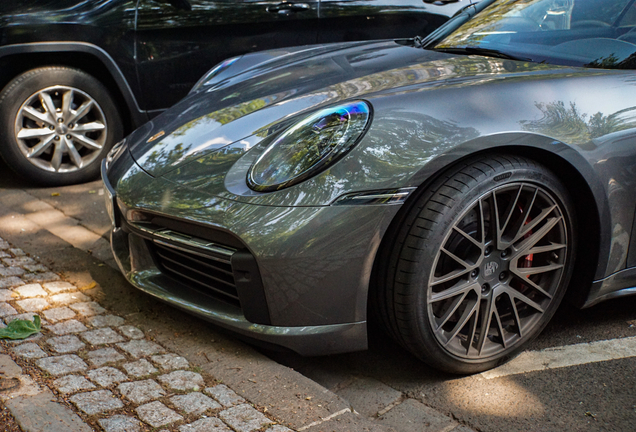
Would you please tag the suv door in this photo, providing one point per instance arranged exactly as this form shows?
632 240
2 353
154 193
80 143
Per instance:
353 20
179 40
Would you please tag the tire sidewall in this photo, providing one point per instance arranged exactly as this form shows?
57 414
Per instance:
16 93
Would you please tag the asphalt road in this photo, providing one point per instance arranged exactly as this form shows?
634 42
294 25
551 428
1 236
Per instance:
599 396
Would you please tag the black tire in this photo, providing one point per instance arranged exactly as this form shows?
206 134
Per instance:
44 147
465 299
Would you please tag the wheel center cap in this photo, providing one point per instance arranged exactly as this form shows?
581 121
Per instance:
61 129
490 270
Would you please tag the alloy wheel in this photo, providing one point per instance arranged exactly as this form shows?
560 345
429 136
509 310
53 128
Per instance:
60 129
497 271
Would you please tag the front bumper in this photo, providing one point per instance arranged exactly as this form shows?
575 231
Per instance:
314 264
132 256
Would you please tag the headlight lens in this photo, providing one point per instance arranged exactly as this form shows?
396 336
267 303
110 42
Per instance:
310 146
205 79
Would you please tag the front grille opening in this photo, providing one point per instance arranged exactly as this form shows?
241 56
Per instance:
209 275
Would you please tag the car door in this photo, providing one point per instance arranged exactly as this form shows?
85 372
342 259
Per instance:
177 41
352 20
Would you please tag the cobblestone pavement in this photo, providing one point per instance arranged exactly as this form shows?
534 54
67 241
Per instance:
113 376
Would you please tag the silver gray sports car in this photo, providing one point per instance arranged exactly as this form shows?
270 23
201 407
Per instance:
455 187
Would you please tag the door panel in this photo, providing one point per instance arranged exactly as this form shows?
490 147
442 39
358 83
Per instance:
175 46
351 20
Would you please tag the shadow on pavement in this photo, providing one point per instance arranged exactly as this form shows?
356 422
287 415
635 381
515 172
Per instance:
84 201
10 180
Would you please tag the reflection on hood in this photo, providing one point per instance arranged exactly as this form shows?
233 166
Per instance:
251 103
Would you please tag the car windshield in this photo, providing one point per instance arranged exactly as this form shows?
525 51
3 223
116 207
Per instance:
590 33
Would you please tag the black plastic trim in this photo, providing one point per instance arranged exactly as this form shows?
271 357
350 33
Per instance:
250 289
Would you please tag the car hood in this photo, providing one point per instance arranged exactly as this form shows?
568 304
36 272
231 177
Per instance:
255 99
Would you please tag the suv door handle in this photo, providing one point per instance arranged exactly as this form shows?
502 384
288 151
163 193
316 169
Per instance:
288 7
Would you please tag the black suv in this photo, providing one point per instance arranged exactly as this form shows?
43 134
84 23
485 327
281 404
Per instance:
78 75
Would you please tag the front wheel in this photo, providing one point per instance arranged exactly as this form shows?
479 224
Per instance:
480 263
57 125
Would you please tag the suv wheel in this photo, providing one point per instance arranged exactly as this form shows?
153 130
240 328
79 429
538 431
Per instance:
57 125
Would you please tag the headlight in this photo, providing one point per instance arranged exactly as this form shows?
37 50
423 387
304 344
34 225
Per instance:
310 146
212 73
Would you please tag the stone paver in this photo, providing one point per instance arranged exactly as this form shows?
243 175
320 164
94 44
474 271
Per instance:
31 290
35 268
61 365
66 344
42 413
87 308
24 316
33 305
170 362
66 327
131 332
157 414
105 321
244 418
225 395
58 287
96 402
210 424
106 376
11 271
119 423
141 348
6 295
183 380
103 356
141 391
72 384
40 277
16 262
140 368
194 403
29 350
102 336
68 298
58 314
10 282
6 309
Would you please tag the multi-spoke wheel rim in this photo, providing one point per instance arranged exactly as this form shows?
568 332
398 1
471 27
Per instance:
60 129
497 271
